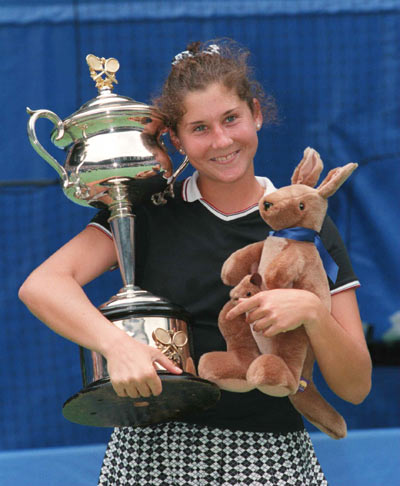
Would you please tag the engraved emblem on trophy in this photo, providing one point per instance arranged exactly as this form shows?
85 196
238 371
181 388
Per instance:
116 158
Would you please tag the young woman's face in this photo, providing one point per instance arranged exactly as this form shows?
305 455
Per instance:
219 134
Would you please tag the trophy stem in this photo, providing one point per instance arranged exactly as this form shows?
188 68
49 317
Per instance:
122 222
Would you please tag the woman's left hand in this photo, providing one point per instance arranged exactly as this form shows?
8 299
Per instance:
278 310
337 339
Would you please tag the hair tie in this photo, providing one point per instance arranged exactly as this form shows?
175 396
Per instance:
181 56
211 49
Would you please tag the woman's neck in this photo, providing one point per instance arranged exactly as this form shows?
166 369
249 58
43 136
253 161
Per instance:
231 197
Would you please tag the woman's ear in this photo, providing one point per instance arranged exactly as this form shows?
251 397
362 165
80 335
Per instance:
175 140
257 113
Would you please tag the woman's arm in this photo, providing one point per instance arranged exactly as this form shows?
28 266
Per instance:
337 338
340 348
53 293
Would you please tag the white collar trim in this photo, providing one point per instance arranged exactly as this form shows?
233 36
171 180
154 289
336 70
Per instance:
191 193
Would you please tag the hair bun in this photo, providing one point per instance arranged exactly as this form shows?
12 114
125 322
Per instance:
194 47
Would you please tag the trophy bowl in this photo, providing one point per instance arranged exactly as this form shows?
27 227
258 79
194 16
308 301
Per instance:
116 158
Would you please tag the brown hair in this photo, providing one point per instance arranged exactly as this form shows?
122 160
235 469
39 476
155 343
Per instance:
199 67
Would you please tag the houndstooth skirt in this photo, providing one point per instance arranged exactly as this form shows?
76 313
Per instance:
179 454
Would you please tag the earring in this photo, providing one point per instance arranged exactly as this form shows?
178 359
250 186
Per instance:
258 126
181 151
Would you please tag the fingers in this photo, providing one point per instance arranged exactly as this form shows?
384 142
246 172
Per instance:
168 364
267 329
271 326
145 387
271 331
144 381
261 324
132 367
245 305
270 312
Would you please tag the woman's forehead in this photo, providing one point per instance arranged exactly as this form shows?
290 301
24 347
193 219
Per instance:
214 100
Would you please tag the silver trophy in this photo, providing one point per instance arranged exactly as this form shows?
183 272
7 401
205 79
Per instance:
116 158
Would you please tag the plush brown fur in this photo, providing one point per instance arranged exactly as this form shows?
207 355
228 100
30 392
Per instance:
228 368
284 263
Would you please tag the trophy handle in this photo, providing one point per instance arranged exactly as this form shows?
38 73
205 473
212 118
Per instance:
159 198
58 123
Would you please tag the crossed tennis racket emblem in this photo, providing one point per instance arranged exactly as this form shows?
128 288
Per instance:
170 343
101 66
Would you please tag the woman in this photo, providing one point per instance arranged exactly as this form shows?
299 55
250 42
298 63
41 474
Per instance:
213 111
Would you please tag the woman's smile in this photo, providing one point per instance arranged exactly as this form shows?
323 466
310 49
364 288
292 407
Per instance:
223 159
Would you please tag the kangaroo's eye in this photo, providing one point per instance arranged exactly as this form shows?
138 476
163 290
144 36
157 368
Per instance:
267 205
301 206
248 294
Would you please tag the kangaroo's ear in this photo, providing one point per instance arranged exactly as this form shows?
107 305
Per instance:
335 179
309 168
256 279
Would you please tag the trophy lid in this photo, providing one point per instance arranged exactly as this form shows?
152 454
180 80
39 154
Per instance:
107 112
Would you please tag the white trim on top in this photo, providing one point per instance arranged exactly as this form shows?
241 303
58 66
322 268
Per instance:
347 286
191 193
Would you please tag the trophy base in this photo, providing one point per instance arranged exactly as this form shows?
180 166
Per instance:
98 405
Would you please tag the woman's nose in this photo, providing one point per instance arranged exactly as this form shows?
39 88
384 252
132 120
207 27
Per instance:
221 137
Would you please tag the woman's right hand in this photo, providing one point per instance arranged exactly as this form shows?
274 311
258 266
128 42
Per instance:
131 364
132 367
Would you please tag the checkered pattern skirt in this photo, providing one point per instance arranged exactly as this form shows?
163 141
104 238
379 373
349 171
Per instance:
178 454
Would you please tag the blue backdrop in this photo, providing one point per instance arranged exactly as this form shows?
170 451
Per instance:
334 70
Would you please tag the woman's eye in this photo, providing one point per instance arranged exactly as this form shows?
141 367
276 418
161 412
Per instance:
230 118
199 128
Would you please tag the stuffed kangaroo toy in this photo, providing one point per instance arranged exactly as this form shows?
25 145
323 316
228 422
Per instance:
228 368
285 362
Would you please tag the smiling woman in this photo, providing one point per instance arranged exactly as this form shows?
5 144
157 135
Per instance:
214 112
214 109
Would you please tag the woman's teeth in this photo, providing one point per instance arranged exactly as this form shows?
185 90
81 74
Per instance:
224 158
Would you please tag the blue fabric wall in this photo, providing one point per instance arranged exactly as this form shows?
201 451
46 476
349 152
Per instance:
334 70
